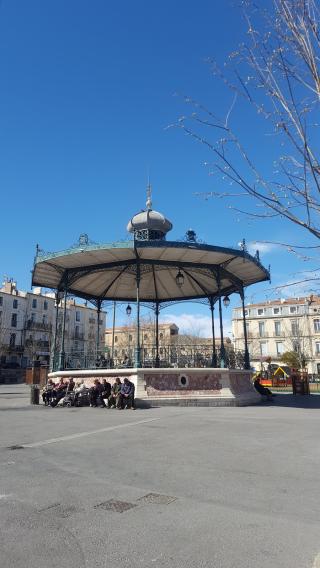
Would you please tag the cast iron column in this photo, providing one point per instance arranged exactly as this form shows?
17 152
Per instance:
214 353
246 350
157 335
62 354
113 326
99 303
138 349
54 354
222 349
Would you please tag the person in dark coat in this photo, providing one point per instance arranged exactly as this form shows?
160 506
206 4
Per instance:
114 398
126 394
105 393
261 389
96 394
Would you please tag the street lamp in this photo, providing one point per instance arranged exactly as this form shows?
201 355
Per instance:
128 310
226 301
179 279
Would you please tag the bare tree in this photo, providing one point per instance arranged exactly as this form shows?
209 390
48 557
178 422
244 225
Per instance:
276 73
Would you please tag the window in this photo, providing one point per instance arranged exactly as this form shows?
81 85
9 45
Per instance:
1 300
296 346
277 328
14 320
130 337
0 317
317 347
260 311
145 337
33 317
77 316
44 318
12 340
279 346
294 327
246 313
116 339
316 325
261 329
45 305
34 303
294 309
276 311
173 332
15 304
263 348
77 331
161 335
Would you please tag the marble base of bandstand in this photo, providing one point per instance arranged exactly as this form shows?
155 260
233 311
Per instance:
177 386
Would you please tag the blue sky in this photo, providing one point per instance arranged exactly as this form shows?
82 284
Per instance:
87 92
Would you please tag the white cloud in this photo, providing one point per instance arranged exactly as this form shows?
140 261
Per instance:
262 247
197 324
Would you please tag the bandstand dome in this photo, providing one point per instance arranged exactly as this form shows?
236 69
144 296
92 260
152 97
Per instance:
151 220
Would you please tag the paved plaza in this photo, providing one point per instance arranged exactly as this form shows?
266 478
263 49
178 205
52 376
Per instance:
163 487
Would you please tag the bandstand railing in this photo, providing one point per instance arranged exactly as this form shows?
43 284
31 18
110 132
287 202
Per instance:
180 356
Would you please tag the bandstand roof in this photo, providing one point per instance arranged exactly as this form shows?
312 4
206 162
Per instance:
108 272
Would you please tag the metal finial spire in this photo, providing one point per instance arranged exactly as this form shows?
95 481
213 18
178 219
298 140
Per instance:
149 196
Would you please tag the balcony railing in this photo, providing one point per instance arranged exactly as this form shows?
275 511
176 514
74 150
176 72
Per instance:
36 325
12 348
77 336
37 343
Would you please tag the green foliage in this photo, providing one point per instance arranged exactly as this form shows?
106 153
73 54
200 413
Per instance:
292 359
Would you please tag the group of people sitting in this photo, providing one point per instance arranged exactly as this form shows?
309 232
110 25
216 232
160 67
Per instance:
120 395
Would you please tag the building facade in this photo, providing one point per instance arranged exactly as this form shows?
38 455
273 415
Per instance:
187 350
277 326
28 323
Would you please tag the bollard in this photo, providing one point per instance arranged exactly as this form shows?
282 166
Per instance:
34 395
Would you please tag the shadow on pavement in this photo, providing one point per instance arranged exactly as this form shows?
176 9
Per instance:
297 401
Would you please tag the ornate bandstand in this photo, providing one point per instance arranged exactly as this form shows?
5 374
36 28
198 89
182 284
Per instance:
149 270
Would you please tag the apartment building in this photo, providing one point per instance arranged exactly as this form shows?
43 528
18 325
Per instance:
27 326
276 326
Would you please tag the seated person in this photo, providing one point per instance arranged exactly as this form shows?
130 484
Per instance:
261 389
47 392
114 398
79 390
59 392
96 394
106 391
126 394
71 385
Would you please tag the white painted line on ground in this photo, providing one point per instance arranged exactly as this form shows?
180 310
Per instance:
89 433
